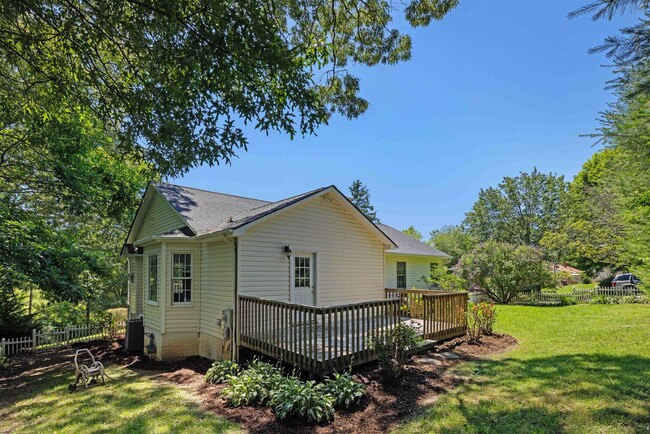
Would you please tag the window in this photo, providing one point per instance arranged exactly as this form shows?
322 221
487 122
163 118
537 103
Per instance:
401 275
152 282
301 273
182 277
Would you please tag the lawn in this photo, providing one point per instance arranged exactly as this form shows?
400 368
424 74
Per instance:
577 369
129 403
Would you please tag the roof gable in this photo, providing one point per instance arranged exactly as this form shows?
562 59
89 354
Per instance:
407 245
198 212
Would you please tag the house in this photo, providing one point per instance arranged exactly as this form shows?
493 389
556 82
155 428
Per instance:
193 255
569 274
410 263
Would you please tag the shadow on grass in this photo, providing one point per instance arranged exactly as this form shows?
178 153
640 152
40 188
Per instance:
129 403
566 393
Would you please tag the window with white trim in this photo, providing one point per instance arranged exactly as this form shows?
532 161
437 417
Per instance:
152 280
302 272
181 278
401 275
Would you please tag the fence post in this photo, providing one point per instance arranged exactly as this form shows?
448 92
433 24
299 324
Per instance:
3 351
67 334
33 339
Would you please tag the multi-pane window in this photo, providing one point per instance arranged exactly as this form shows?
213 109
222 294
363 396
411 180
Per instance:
302 272
152 281
401 275
182 277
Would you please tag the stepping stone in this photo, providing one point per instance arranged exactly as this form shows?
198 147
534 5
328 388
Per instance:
428 361
448 356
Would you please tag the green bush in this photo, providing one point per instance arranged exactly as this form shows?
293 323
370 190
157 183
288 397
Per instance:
393 348
304 399
480 319
4 366
568 300
219 372
343 389
628 299
255 384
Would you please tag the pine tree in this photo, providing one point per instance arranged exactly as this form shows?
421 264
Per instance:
360 196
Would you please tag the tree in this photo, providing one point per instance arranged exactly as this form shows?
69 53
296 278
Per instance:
360 196
501 270
453 240
412 232
178 81
520 210
625 128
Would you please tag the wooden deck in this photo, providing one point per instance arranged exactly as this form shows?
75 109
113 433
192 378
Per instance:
324 339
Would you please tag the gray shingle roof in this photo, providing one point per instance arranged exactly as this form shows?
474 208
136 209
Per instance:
407 245
207 212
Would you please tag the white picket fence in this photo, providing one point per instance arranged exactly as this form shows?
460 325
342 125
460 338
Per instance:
580 295
58 337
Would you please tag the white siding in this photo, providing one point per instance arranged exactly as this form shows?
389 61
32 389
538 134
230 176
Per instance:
416 267
182 318
160 218
152 310
135 286
349 258
217 285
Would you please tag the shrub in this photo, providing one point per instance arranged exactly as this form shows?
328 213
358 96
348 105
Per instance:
221 371
343 389
393 348
256 384
4 366
304 399
628 299
568 300
480 319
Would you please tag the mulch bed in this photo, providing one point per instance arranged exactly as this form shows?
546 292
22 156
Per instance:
384 406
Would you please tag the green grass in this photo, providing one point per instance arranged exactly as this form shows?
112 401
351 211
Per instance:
130 403
577 369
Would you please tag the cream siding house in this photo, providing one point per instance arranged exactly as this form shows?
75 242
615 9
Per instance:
410 263
192 252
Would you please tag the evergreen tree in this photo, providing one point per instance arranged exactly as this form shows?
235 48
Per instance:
360 196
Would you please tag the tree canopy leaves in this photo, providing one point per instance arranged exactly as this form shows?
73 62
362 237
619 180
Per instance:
520 210
360 196
177 81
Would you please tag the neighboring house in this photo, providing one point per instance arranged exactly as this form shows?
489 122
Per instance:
410 263
569 273
191 253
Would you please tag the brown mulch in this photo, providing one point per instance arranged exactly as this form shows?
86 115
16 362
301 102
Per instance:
384 406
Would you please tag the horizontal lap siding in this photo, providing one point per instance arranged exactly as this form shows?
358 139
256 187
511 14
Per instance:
152 311
217 285
416 267
183 318
349 257
160 218
135 286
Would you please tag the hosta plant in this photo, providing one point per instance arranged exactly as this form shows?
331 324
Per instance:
343 389
219 372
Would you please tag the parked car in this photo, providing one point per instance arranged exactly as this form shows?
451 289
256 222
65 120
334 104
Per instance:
625 281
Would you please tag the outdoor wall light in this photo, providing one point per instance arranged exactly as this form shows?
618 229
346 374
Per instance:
287 251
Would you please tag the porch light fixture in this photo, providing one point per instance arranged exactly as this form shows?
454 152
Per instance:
287 251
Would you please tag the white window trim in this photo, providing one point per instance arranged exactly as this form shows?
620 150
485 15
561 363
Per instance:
147 292
171 278
313 276
397 275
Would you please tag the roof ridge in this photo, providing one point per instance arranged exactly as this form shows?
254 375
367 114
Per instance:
307 193
215 192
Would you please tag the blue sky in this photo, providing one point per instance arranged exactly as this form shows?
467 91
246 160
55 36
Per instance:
494 89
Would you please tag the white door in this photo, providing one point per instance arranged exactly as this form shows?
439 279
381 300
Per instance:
303 279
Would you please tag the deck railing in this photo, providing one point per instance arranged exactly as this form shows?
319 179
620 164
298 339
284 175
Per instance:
316 339
442 314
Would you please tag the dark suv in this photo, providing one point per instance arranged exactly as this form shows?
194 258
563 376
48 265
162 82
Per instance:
625 281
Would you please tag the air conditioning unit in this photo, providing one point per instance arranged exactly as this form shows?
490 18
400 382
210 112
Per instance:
134 337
